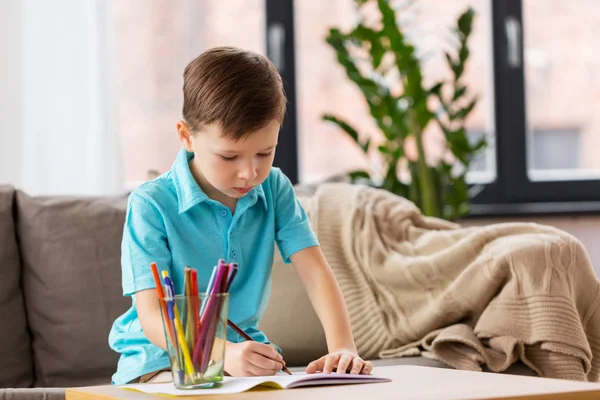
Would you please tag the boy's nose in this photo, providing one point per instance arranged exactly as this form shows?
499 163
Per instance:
247 174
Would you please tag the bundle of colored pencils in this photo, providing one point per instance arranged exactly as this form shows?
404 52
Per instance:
219 283
200 324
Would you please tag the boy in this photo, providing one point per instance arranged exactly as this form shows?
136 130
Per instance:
223 199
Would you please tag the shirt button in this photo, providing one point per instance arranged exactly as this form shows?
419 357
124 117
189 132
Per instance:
234 254
223 213
231 233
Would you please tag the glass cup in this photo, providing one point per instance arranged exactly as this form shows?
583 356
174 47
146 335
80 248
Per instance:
195 328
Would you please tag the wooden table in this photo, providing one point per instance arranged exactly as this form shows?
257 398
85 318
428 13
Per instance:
408 382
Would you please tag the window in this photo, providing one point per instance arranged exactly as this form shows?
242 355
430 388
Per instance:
323 87
555 150
481 162
536 68
547 84
562 85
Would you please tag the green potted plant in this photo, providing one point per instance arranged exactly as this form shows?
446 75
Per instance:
439 190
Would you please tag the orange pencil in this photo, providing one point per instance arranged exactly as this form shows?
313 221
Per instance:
161 296
190 325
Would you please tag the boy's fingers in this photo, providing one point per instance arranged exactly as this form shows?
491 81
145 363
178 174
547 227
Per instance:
267 351
258 371
357 365
315 366
367 368
265 363
330 361
343 363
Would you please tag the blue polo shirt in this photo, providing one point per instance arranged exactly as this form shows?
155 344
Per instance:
172 222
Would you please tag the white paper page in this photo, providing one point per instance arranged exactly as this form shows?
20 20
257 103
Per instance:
229 386
237 385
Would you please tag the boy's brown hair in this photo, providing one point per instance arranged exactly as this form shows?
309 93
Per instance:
239 89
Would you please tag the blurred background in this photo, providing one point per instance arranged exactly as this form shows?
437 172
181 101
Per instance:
91 92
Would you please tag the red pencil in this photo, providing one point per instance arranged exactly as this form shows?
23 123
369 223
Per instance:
196 307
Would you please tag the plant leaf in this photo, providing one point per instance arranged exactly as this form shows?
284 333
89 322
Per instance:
374 93
479 145
465 22
374 39
436 89
465 111
406 60
349 130
460 91
359 175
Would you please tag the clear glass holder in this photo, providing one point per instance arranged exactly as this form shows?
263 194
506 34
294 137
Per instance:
196 329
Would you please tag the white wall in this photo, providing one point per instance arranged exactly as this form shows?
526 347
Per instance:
59 130
11 81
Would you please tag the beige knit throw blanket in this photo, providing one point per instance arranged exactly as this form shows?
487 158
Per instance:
467 296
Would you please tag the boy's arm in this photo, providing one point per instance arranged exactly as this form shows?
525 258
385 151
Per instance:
145 241
298 244
150 317
328 302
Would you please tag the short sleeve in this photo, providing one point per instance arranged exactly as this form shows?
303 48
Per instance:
292 226
144 242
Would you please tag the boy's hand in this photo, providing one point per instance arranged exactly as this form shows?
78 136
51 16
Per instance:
343 361
252 359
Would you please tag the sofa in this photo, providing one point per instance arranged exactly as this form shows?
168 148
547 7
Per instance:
60 291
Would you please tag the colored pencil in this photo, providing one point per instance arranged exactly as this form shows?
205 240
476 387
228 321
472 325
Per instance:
196 308
189 312
187 360
231 324
243 334
208 289
233 269
209 314
161 296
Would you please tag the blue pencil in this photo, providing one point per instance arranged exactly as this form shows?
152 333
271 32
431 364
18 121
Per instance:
208 289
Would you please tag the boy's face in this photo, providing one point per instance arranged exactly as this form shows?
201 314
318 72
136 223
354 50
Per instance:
226 167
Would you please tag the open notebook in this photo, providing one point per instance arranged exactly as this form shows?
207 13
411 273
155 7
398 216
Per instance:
238 385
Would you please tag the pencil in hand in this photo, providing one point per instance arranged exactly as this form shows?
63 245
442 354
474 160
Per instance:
233 269
248 337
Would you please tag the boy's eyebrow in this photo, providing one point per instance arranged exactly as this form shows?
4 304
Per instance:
269 148
237 152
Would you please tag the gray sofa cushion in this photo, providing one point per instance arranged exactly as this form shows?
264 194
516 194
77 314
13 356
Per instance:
72 285
16 360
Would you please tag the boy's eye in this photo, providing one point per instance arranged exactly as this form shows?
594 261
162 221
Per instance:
230 158
264 154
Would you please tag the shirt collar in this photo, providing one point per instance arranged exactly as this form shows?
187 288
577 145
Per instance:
189 192
260 193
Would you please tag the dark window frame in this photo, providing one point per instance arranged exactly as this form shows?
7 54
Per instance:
512 193
279 16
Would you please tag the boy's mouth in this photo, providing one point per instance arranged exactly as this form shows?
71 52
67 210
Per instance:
243 190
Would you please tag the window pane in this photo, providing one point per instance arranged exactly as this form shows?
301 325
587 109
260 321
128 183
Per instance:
323 87
562 78
155 40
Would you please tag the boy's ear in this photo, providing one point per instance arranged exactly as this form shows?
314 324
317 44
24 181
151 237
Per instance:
185 135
